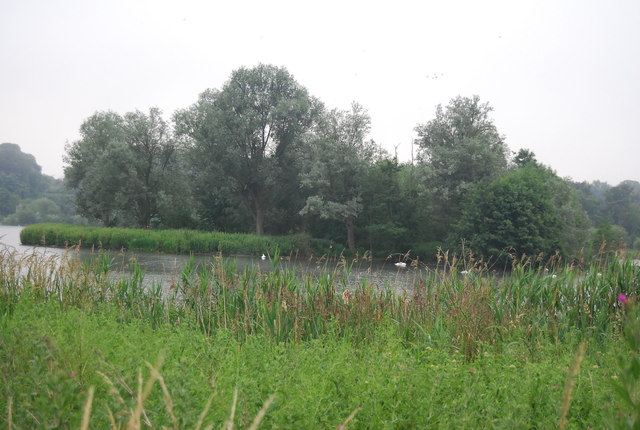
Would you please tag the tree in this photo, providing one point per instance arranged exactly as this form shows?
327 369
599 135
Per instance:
387 208
119 167
520 211
154 153
612 207
28 196
574 219
635 189
97 167
592 199
64 198
31 211
246 131
460 147
20 177
336 160
523 157
608 238
566 202
623 208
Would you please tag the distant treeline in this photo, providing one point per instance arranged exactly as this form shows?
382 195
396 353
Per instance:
262 155
27 196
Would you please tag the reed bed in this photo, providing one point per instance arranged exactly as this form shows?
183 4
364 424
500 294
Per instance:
460 307
169 241
467 304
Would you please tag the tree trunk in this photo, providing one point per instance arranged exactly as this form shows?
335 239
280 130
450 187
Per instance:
259 219
144 212
255 202
351 238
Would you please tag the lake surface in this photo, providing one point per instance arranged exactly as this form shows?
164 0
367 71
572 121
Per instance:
165 268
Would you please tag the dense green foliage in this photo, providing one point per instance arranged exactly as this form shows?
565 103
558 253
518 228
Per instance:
171 241
260 154
247 135
122 167
460 147
26 195
526 211
459 351
614 213
20 177
334 168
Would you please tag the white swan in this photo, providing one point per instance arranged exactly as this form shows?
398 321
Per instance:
401 264
264 257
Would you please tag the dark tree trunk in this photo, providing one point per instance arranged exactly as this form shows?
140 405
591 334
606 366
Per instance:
259 219
144 212
351 238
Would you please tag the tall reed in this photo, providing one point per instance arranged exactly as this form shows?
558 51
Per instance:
461 303
170 241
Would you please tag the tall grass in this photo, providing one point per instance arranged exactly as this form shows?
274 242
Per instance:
461 306
170 241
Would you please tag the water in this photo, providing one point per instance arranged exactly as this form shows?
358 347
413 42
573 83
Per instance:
166 268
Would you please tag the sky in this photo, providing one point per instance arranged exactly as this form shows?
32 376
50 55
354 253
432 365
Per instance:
563 76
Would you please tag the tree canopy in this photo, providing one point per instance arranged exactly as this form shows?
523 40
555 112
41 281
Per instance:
261 154
20 177
120 166
26 195
528 210
336 160
246 132
461 146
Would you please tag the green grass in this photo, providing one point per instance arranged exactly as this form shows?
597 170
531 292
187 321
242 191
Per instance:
52 356
461 351
169 241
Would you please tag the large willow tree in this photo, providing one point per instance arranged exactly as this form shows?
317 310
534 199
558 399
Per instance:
245 134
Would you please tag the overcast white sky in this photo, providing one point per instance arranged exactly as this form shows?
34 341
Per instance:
563 77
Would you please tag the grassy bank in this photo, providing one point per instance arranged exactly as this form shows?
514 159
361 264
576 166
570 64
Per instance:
463 350
169 241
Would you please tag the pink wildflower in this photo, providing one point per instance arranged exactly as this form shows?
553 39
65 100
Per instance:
73 374
622 298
